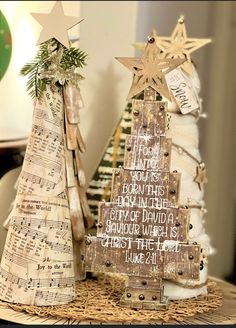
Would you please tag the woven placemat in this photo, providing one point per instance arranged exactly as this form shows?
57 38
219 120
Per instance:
97 300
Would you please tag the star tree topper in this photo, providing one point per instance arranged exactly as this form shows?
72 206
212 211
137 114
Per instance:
55 24
179 45
150 70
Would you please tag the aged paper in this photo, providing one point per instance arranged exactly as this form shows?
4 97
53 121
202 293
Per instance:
37 264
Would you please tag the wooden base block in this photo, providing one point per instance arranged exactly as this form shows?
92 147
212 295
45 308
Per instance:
146 305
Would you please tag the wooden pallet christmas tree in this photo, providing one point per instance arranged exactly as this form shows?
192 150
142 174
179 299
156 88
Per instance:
142 232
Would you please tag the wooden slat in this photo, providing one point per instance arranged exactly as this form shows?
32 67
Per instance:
147 153
142 257
71 134
135 222
149 118
145 188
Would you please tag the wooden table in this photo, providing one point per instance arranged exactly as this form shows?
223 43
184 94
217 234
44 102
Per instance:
223 315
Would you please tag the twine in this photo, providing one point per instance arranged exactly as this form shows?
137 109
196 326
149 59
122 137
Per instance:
98 299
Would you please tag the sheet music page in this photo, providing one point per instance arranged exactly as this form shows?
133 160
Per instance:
37 263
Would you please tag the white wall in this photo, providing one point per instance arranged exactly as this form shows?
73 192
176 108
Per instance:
107 32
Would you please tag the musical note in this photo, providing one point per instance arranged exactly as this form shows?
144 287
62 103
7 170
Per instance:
40 223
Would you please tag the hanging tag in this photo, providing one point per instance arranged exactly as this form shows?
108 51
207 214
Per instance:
183 91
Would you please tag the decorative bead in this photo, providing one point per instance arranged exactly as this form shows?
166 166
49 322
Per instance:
201 265
107 263
154 297
128 295
181 20
141 297
144 283
151 40
190 226
172 191
129 148
162 107
166 154
191 257
136 112
180 151
180 272
202 165
177 224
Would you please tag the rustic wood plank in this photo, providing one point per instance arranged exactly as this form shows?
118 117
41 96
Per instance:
149 118
71 134
147 153
135 222
142 257
145 188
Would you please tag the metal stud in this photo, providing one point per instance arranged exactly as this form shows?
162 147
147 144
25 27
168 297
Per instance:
128 295
141 297
172 191
191 257
151 40
154 297
162 107
190 226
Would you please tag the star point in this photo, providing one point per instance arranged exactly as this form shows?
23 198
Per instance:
55 24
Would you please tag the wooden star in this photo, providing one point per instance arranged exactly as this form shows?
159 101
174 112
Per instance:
179 45
150 70
55 24
201 178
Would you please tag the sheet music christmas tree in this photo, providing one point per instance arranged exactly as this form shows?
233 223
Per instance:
143 232
41 261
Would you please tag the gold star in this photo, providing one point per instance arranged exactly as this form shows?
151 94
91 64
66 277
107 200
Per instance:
55 24
179 46
201 178
150 70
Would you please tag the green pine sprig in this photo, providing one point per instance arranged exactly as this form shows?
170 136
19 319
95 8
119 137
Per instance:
71 57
